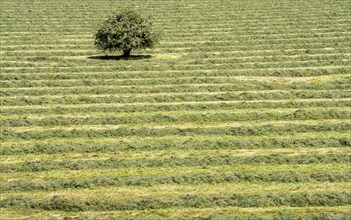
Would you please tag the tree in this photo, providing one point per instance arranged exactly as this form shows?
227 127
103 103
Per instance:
125 31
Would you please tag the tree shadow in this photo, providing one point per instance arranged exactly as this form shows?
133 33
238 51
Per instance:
131 57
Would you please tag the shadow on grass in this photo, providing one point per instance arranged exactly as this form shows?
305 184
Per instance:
131 57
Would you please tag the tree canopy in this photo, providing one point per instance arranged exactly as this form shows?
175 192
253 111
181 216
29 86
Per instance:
125 31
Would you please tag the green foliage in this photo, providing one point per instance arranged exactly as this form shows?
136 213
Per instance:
125 31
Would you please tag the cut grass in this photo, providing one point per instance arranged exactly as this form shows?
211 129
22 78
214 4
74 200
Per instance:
126 192
341 212
241 112
174 171
163 154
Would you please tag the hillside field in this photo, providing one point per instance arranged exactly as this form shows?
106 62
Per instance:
242 111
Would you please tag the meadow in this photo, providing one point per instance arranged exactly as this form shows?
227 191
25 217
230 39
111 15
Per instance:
242 111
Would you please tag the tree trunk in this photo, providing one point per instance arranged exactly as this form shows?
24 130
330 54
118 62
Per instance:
126 53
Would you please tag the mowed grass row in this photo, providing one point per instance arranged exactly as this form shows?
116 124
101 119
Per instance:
296 199
125 192
164 154
235 80
90 178
74 109
240 83
193 213
48 61
103 73
163 118
137 144
83 161
195 65
339 212
231 128
191 88
160 18
241 112
174 161
175 97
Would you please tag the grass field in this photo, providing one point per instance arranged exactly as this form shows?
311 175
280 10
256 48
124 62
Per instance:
241 112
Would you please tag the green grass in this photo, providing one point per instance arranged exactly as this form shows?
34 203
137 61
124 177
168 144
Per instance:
240 112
